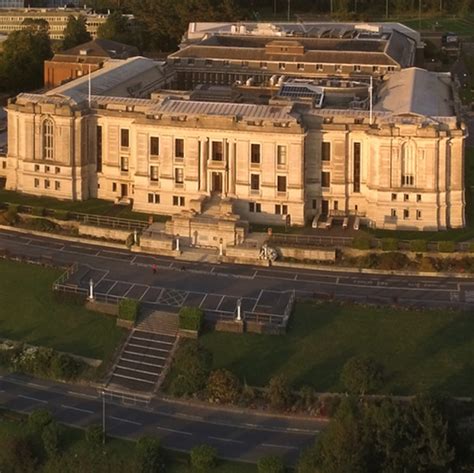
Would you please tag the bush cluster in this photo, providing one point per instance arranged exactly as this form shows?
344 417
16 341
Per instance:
389 244
38 211
129 309
418 246
446 246
361 243
191 318
62 214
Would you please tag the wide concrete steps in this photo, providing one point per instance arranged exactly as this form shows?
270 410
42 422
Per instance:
142 362
159 322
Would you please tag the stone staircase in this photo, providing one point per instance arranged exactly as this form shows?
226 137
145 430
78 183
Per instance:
146 355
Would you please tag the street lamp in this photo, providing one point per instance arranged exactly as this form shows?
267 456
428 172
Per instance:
103 417
289 9
239 308
386 8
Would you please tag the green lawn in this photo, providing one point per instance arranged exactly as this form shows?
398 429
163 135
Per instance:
29 312
420 350
90 206
121 451
462 26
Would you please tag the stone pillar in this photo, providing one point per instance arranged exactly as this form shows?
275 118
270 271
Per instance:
203 165
225 183
232 167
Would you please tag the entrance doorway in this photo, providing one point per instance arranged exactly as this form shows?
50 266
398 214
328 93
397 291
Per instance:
216 182
325 207
123 190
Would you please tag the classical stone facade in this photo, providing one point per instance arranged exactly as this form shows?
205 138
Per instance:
302 151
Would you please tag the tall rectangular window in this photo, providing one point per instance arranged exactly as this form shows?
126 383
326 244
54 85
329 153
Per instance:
281 183
99 149
356 167
179 148
124 163
124 138
326 151
325 179
255 182
154 173
179 176
217 151
281 155
154 146
255 153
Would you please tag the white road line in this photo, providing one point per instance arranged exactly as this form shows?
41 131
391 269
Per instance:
220 302
32 398
256 302
35 385
273 445
174 431
251 425
202 301
220 439
111 287
90 396
72 408
189 416
125 420
129 289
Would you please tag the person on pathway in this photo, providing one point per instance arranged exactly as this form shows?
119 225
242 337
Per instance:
154 268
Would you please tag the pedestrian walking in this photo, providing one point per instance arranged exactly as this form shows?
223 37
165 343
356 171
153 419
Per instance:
154 268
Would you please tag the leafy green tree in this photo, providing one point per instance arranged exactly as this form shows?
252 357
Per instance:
116 28
21 64
36 24
75 32
362 375
271 464
149 456
279 392
51 437
223 387
203 458
17 455
39 419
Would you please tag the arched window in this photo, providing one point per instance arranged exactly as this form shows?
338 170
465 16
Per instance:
408 164
48 139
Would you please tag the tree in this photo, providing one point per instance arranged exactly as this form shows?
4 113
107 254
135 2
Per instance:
116 28
51 438
279 392
17 455
95 435
75 32
39 419
271 464
223 387
362 375
148 456
203 458
21 64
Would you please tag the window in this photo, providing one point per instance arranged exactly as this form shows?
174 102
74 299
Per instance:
319 68
418 214
282 66
263 65
124 163
47 184
178 201
154 173
226 63
57 170
300 66
326 151
255 207
46 169
314 204
406 214
217 151
406 197
281 209
408 164
281 183
393 213
154 146
208 62
255 153
356 154
48 139
153 198
336 205
124 138
98 149
37 182
179 176
245 64
418 197
191 61
357 68
57 185
179 148
255 182
281 155
394 197
37 168
325 179
375 69
391 68
338 68
114 187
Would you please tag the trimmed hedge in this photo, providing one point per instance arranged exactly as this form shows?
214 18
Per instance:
38 211
389 244
361 243
446 246
61 214
191 318
418 246
129 309
471 247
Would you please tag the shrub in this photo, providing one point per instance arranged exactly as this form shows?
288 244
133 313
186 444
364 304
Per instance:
362 375
393 261
308 397
95 435
18 455
51 437
270 464
149 456
361 243
203 458
14 207
248 396
419 246
191 318
389 244
191 366
12 213
446 246
65 367
426 265
38 211
41 225
471 247
223 387
279 392
34 360
129 309
61 214
39 419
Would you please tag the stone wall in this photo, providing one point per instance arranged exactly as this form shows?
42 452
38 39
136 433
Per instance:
102 232
313 254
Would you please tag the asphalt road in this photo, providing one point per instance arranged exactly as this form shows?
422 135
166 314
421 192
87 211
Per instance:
236 435
121 271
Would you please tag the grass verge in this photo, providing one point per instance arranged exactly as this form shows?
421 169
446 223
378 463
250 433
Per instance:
421 350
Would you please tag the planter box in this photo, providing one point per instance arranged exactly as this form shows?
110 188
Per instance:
233 326
102 307
128 324
188 333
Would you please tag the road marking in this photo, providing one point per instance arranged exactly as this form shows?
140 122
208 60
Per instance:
251 425
273 445
32 398
174 431
82 395
86 411
189 416
125 420
220 439
35 385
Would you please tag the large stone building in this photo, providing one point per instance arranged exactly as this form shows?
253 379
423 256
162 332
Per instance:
386 146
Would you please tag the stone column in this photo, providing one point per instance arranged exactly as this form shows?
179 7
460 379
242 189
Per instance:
203 165
232 167
225 183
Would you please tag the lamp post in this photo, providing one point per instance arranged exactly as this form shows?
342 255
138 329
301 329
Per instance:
91 289
103 417
289 9
177 242
386 8
239 308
